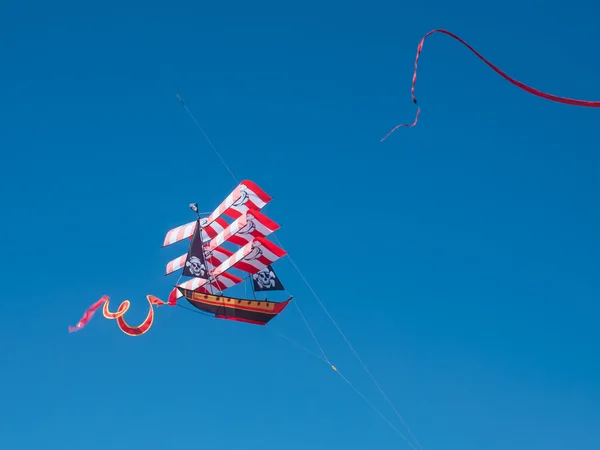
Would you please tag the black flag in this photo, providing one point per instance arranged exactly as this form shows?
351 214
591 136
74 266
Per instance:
266 280
195 264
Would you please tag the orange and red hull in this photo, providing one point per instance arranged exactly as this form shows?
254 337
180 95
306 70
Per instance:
258 312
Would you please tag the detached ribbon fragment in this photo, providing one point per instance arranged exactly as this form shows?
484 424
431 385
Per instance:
523 86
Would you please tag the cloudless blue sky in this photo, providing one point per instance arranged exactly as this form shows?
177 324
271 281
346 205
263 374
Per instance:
459 257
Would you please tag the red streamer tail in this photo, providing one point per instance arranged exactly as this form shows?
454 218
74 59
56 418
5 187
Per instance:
554 98
89 313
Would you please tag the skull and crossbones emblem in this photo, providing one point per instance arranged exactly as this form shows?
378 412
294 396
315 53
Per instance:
265 278
195 266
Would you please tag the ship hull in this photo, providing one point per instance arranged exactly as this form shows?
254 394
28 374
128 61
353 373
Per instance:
258 312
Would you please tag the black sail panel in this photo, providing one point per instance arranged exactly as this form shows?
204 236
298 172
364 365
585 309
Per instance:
267 280
195 264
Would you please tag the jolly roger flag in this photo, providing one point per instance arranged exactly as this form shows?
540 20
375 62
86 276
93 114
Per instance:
266 280
195 264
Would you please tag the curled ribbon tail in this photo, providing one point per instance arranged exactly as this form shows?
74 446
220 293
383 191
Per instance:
172 300
123 325
88 314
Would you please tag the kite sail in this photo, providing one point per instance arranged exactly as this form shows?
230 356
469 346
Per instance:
533 91
209 264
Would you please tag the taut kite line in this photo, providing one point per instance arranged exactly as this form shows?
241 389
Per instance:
554 98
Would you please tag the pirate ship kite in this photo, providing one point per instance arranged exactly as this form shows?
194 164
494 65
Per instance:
208 262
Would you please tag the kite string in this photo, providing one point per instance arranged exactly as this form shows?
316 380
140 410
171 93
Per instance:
207 139
324 309
348 382
325 358
529 89
316 355
381 391
211 316
378 412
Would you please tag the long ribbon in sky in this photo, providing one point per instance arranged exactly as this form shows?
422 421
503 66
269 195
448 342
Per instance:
554 98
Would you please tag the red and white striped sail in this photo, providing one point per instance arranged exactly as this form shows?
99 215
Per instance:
217 256
179 233
187 231
247 195
214 257
252 257
176 264
244 229
221 282
248 230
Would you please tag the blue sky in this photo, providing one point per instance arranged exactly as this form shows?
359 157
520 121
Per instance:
459 257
